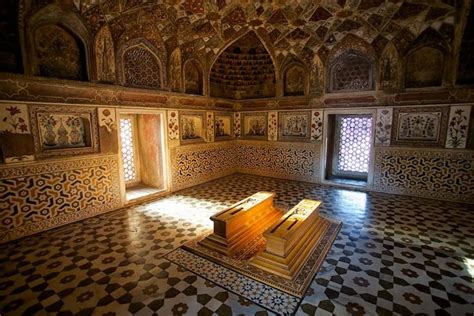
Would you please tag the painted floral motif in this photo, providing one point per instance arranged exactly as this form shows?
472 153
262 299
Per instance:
62 131
107 118
419 126
237 124
14 119
272 126
210 126
458 126
383 127
316 125
173 125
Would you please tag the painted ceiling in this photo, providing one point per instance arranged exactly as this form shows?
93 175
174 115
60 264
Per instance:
292 27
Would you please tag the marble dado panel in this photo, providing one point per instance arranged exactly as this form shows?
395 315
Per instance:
36 197
286 160
196 164
446 175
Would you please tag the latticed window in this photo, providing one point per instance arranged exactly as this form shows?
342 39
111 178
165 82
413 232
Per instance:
353 145
142 68
128 150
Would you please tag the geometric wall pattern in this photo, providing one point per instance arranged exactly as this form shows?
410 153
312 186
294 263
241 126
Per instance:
430 174
41 196
195 164
295 161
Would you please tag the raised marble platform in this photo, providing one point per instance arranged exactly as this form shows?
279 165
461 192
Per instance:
241 223
291 239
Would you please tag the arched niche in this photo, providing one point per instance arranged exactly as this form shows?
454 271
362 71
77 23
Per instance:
390 68
175 70
316 82
243 70
139 66
105 55
193 77
465 73
59 54
424 67
295 80
351 71
10 50
53 39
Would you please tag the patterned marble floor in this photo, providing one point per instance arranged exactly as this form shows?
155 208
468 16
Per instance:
394 255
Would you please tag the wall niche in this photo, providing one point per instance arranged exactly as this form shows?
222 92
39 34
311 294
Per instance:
294 80
424 68
59 53
244 70
192 77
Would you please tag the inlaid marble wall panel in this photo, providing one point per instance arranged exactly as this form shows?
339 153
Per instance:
458 126
296 161
447 175
36 197
195 164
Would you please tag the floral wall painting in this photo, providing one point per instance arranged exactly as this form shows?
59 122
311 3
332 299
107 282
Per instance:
272 126
16 141
317 125
237 128
254 126
192 127
383 127
223 126
458 126
14 119
294 126
423 126
173 125
107 130
64 130
210 126
107 118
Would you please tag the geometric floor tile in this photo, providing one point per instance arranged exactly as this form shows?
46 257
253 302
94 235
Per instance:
393 255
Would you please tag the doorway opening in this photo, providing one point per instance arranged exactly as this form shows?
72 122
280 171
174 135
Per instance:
349 147
142 154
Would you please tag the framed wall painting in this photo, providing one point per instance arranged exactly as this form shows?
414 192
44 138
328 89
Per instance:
223 126
192 127
294 126
423 126
254 126
62 131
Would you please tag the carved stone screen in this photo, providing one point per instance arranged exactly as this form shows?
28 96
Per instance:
141 68
351 72
353 145
128 150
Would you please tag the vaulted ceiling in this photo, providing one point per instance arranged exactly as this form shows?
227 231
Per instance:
208 31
